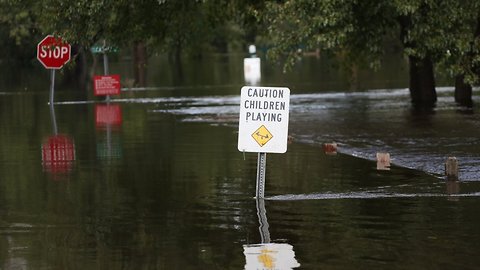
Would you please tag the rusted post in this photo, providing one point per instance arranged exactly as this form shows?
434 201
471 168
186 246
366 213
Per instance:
451 169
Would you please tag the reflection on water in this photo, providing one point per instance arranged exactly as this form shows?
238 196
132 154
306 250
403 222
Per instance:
268 255
58 150
263 221
108 121
108 115
58 154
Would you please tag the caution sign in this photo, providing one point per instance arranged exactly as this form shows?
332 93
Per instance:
263 120
262 135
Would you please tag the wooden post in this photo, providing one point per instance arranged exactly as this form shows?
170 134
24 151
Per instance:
330 148
383 161
451 169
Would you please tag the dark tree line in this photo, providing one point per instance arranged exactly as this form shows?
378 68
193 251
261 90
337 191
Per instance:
442 33
432 33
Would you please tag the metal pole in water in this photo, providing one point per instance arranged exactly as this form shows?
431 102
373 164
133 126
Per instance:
105 63
53 118
52 108
261 168
52 85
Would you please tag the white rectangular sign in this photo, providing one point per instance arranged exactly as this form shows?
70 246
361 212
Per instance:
263 122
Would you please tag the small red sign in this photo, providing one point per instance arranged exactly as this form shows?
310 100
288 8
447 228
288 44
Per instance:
53 52
106 85
58 154
108 115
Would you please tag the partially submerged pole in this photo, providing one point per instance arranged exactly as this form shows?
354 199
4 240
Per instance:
451 169
105 64
53 118
52 85
261 169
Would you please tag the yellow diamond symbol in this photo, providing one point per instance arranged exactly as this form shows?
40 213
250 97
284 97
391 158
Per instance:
262 135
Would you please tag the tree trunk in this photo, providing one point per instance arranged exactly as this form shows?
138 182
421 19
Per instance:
422 78
463 91
140 63
422 82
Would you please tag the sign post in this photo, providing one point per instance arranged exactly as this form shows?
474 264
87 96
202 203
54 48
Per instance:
53 53
105 85
261 170
105 64
263 125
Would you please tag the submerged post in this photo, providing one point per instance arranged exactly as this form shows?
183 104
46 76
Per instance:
383 161
261 169
52 85
105 64
451 169
53 118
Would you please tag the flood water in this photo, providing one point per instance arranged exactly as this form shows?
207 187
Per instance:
154 180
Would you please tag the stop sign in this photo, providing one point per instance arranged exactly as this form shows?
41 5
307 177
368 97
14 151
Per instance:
53 52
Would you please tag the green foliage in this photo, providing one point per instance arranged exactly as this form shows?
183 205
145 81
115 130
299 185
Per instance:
356 30
167 24
17 20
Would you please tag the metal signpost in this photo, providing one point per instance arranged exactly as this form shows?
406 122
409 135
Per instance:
105 64
263 125
53 53
106 85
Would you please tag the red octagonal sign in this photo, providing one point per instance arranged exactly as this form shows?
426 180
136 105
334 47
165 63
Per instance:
53 52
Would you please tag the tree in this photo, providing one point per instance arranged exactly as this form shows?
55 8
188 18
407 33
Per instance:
18 30
428 31
445 34
163 24
146 25
463 58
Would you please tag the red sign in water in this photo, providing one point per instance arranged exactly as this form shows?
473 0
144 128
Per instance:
53 52
58 154
106 85
108 115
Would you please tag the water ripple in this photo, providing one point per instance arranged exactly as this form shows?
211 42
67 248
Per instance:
363 195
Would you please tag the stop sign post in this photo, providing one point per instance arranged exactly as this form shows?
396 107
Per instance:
53 53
